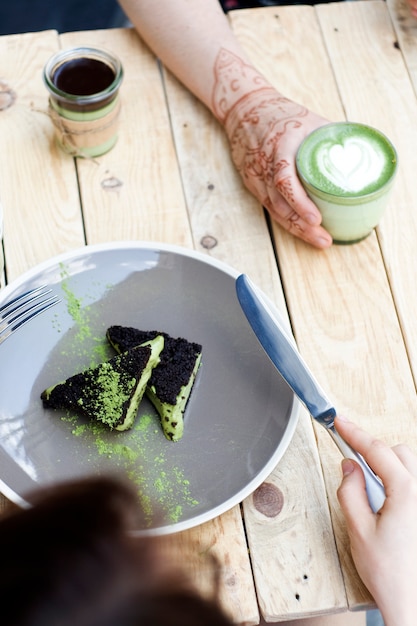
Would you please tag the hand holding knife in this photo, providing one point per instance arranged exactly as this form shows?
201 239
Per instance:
279 345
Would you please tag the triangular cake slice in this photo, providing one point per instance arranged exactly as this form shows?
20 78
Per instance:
110 392
171 382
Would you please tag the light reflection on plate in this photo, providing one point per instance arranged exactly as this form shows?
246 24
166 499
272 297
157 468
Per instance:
238 422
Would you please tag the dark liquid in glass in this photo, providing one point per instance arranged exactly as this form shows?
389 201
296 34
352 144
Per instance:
83 76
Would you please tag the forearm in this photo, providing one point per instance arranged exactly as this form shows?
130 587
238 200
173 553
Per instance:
194 40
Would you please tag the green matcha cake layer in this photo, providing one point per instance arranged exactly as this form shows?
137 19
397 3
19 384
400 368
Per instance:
171 382
172 414
110 392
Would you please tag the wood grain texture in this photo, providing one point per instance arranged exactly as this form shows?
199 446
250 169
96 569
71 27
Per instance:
170 178
384 97
226 221
378 92
290 534
134 191
340 301
215 555
405 26
38 183
274 39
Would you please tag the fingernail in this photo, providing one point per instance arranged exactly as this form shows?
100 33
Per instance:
347 467
323 242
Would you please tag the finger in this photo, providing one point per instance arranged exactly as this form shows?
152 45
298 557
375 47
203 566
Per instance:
379 455
291 221
286 216
290 202
287 184
353 498
407 458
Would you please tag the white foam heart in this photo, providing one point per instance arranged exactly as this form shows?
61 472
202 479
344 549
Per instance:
346 159
352 164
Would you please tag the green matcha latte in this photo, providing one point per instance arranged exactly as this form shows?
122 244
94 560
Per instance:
348 170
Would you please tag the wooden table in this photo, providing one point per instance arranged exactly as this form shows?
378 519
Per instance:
170 179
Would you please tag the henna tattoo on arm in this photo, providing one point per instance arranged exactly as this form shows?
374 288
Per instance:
256 126
283 182
232 77
256 118
264 130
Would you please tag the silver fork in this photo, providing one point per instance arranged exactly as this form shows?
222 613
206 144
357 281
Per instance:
23 308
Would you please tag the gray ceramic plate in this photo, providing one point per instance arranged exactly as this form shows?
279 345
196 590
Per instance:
238 422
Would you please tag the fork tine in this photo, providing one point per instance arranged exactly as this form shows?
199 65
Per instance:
14 321
23 308
24 298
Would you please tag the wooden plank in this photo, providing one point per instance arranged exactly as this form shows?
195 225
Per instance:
215 555
42 194
350 338
353 323
289 531
375 73
298 535
302 530
122 194
275 40
387 85
226 221
405 26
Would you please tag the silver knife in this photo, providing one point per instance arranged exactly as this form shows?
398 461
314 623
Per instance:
280 346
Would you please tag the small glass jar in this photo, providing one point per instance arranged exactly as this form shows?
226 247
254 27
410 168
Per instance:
84 100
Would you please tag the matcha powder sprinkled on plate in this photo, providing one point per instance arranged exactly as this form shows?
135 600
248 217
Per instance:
163 490
74 308
83 342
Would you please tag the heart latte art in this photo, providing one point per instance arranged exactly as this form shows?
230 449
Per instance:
346 159
348 170
352 166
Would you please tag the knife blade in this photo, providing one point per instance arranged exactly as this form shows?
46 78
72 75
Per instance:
280 347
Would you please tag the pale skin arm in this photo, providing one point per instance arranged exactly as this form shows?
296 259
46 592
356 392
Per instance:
194 40
384 546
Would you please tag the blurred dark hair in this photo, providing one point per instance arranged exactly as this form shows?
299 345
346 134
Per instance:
70 560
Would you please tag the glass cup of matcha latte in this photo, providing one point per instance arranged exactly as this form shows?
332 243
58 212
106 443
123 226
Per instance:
348 170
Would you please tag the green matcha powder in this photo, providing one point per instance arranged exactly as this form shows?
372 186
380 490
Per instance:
162 489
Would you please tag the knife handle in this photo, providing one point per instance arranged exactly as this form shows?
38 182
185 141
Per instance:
374 487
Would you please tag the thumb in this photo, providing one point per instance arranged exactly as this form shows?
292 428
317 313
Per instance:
352 494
